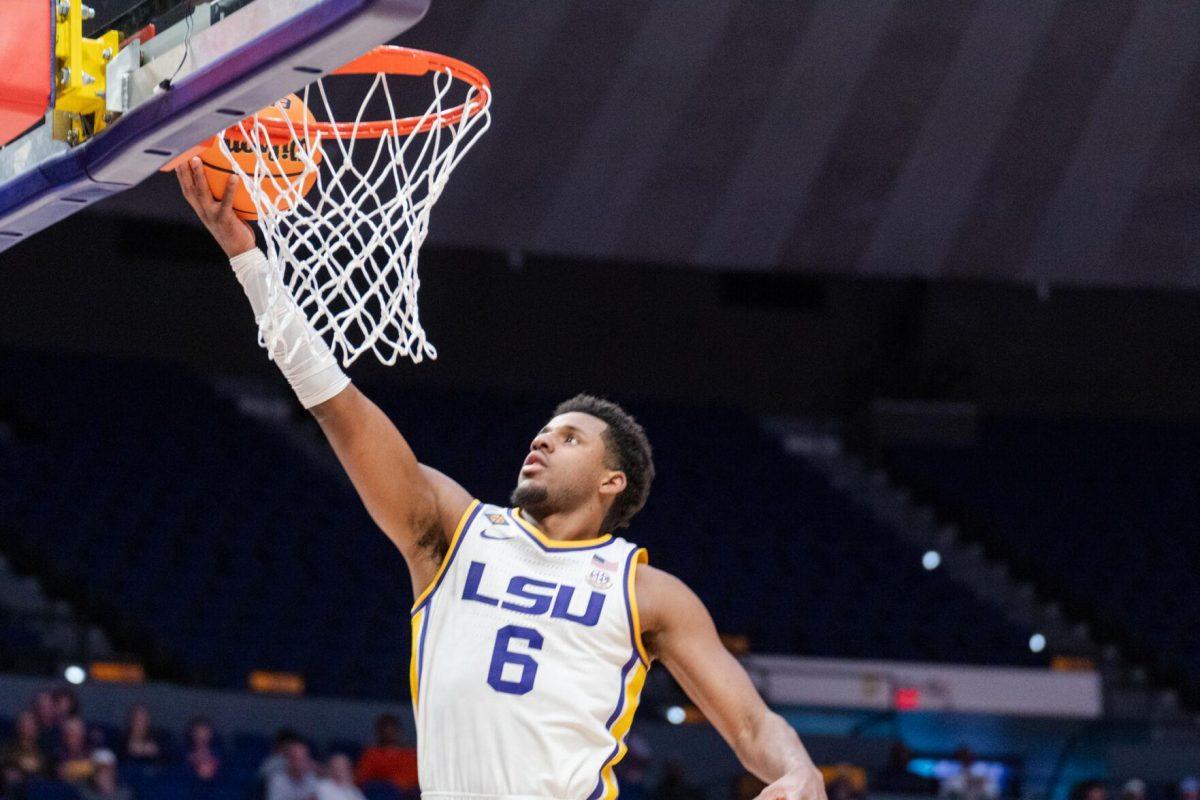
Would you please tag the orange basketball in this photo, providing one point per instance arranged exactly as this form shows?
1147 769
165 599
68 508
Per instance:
282 159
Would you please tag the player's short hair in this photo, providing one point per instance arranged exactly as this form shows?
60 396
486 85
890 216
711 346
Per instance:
628 449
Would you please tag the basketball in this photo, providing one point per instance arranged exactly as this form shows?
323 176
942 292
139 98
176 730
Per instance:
280 158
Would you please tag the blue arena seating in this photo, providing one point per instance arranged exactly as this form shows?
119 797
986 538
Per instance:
21 646
1103 513
143 493
42 789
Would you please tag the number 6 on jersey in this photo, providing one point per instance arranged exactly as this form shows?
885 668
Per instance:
501 655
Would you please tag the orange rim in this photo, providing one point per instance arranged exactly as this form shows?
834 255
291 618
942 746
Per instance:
398 61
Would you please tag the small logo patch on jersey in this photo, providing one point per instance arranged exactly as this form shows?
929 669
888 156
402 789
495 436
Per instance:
487 534
600 579
497 519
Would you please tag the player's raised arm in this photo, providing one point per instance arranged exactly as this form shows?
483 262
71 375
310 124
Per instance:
678 630
417 507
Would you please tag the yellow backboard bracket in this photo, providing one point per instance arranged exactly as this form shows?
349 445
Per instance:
80 77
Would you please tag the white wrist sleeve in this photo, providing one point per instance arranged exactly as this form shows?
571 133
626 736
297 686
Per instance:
300 353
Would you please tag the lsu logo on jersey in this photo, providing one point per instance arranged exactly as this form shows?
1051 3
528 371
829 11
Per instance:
534 597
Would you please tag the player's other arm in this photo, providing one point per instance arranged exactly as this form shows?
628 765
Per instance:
679 631
417 507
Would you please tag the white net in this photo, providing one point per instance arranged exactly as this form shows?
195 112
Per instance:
344 226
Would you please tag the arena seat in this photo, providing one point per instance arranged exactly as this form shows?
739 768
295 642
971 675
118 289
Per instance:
146 493
43 789
1101 514
378 790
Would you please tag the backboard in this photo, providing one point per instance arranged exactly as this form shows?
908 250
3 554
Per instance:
137 99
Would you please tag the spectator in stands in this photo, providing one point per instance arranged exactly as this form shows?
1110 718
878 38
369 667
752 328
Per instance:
202 756
46 711
338 783
24 752
138 742
104 783
389 759
972 781
74 758
66 702
277 760
1089 790
298 781
1134 789
674 784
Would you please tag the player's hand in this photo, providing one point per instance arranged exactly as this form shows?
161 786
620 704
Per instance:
806 784
234 235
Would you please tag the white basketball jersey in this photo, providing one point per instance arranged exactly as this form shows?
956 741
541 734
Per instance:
527 663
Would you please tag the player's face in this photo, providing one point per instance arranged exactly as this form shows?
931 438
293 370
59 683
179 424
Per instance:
565 465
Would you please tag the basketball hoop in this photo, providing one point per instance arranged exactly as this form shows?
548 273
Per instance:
346 250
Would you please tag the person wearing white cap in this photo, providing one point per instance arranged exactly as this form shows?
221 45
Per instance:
104 783
1134 789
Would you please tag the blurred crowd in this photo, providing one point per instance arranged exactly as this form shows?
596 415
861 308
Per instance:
51 743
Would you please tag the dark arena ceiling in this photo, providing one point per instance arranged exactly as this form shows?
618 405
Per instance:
1048 141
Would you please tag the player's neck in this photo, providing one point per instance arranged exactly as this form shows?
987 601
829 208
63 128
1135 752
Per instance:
568 526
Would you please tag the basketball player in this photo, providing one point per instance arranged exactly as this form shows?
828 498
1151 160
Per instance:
533 628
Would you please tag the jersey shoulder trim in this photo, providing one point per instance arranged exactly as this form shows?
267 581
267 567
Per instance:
464 522
637 555
546 543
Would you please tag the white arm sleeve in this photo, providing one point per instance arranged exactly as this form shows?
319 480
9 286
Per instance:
311 370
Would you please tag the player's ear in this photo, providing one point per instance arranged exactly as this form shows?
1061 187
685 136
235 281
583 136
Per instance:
613 483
